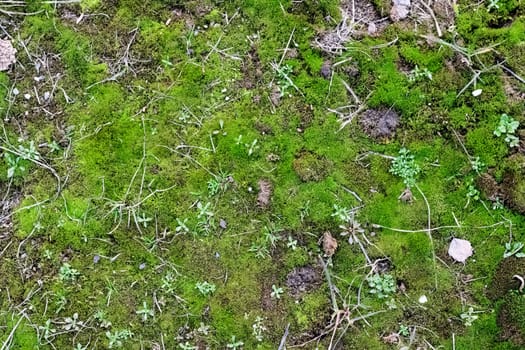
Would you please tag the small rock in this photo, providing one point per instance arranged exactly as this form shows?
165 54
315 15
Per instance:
326 69
142 266
477 92
460 249
223 224
372 29
400 10
96 259
406 196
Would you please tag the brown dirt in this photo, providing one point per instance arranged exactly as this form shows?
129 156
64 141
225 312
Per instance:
502 282
359 18
489 187
251 70
7 205
379 123
302 280
513 186
510 319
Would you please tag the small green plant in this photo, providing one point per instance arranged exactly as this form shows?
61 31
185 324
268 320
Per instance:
187 346
283 76
513 249
115 338
405 167
381 286
145 312
234 344
476 164
101 317
259 328
292 243
276 292
47 330
67 273
404 331
469 317
417 74
72 323
342 214
143 219
181 226
507 126
271 234
304 211
472 192
168 283
218 183
250 147
205 288
79 346
493 4
260 249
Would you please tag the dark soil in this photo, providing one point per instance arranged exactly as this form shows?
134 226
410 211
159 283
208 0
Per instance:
511 318
379 123
302 279
502 281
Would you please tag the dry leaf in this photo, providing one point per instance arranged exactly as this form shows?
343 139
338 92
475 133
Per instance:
329 244
265 192
7 54
460 249
392 338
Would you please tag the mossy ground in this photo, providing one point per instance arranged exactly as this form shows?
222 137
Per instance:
160 119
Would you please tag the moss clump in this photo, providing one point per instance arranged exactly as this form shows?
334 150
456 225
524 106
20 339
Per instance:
514 183
511 318
502 281
311 167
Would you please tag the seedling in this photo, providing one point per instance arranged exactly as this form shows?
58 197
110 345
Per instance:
381 286
507 126
476 164
205 288
101 317
47 330
187 346
405 167
72 323
258 329
493 4
276 292
115 339
67 273
271 234
292 243
342 214
168 283
283 77
417 74
145 312
404 331
469 317
513 249
234 344
260 249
